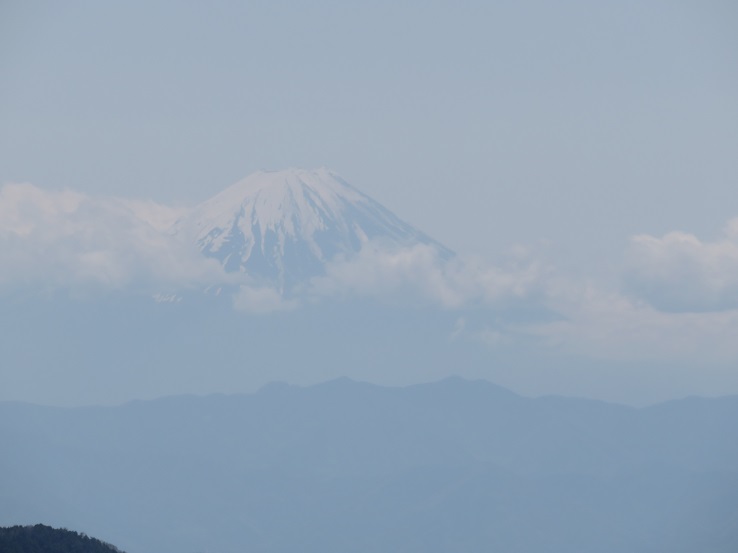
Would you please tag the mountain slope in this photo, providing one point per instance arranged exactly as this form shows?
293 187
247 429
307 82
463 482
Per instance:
282 227
44 539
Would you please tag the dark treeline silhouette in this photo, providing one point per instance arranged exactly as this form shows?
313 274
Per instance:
45 539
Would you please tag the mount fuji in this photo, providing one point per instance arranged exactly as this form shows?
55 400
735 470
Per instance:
282 227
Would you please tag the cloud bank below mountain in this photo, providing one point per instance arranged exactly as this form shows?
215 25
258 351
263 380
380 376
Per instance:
679 298
69 241
52 241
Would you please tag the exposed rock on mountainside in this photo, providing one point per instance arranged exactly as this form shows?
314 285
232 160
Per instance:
281 227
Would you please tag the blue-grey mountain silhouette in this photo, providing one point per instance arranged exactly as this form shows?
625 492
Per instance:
462 466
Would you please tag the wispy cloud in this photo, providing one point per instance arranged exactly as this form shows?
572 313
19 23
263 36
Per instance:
680 298
51 240
609 325
64 239
261 300
422 273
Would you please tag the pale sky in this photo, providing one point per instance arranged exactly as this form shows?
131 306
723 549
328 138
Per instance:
483 123
597 138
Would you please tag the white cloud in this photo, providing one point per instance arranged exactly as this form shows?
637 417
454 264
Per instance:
605 325
51 240
160 217
683 302
64 239
680 303
679 272
583 319
261 300
421 273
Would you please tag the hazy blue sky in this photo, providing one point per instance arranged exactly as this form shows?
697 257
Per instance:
596 141
483 123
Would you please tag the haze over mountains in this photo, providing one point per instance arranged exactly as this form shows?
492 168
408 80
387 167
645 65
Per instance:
296 264
296 276
462 466
284 365
280 267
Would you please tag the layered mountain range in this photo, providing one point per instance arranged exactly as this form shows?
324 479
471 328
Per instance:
451 466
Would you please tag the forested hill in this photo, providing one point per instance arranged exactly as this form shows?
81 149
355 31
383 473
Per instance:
44 539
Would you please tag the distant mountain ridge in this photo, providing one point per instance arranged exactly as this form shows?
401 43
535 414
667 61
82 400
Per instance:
282 227
455 465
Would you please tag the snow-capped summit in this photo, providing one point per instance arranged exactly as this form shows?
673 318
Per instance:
283 226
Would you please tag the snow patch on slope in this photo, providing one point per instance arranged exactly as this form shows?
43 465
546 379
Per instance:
282 227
